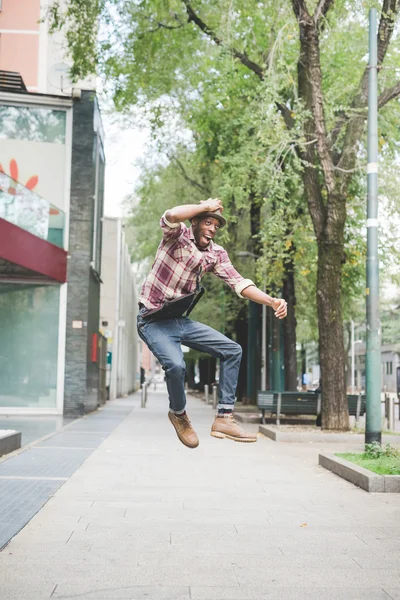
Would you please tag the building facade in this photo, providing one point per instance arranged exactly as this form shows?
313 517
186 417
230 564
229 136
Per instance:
35 159
51 199
51 206
27 48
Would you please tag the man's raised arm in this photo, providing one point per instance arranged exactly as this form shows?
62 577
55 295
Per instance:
178 214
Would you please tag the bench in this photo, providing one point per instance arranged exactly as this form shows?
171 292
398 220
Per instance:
302 403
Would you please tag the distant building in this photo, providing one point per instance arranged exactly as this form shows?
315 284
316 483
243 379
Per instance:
118 311
27 48
390 367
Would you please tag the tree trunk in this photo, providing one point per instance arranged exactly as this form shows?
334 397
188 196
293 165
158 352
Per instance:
289 329
190 366
335 413
207 368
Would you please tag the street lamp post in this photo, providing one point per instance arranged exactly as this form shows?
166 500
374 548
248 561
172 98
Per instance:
353 343
373 353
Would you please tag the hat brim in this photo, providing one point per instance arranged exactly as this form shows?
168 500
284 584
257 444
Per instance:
220 218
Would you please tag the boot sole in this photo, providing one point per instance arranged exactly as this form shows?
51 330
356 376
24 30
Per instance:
219 435
179 437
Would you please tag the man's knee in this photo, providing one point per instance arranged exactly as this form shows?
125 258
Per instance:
176 369
235 350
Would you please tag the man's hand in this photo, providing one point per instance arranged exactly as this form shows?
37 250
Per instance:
280 307
212 204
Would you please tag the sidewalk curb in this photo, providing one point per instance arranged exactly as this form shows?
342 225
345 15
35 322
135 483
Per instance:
10 440
311 437
363 478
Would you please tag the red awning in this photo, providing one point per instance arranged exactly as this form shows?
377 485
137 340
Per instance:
31 256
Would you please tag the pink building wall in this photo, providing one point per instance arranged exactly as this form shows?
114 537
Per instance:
19 38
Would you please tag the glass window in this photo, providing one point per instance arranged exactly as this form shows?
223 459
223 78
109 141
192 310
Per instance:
32 123
21 206
28 345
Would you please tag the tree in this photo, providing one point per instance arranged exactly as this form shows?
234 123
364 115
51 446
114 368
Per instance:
316 80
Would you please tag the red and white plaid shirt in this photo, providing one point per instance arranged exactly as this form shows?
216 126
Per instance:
178 264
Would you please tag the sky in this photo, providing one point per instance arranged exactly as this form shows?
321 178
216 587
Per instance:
123 148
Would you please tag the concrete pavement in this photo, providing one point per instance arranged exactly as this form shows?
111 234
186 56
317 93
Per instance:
146 518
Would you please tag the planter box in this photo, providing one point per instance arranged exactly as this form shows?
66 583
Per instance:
311 435
363 478
10 440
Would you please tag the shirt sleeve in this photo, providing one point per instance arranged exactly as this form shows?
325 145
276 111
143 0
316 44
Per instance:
170 230
226 271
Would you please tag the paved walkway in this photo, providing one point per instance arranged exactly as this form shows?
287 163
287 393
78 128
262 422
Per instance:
145 518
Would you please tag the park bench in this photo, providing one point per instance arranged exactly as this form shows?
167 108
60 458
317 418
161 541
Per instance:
302 403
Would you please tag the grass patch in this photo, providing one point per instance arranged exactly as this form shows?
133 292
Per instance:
376 458
385 465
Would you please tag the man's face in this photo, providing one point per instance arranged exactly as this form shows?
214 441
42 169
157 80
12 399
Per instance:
204 230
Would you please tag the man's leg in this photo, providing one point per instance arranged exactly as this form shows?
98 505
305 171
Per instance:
163 339
204 338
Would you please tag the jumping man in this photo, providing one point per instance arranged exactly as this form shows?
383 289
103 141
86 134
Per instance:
170 291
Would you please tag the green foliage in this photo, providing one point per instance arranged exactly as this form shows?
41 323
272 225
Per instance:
375 450
150 55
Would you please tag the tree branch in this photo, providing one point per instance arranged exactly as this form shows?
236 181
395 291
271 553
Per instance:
311 88
388 94
244 59
390 9
322 10
389 12
300 10
186 176
286 114
161 26
164 25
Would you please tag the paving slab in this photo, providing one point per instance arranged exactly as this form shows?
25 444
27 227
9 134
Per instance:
143 517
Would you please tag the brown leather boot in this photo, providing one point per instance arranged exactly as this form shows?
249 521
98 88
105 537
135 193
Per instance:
184 430
226 427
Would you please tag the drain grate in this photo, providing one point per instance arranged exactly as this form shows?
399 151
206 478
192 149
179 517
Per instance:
36 462
26 479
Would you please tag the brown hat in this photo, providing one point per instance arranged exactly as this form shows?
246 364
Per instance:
214 214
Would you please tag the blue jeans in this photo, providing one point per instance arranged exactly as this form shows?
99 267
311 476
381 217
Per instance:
164 338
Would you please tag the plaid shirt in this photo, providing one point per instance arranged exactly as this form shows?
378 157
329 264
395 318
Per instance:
179 263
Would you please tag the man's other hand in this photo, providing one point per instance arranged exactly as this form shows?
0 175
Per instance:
212 204
280 307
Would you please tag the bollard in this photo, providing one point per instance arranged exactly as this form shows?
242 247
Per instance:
214 396
206 393
144 395
391 413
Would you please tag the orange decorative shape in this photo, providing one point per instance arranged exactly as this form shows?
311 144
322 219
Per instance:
14 169
32 182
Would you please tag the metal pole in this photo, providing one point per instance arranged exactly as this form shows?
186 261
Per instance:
391 413
206 393
276 356
352 357
264 348
144 395
252 351
373 432
214 396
